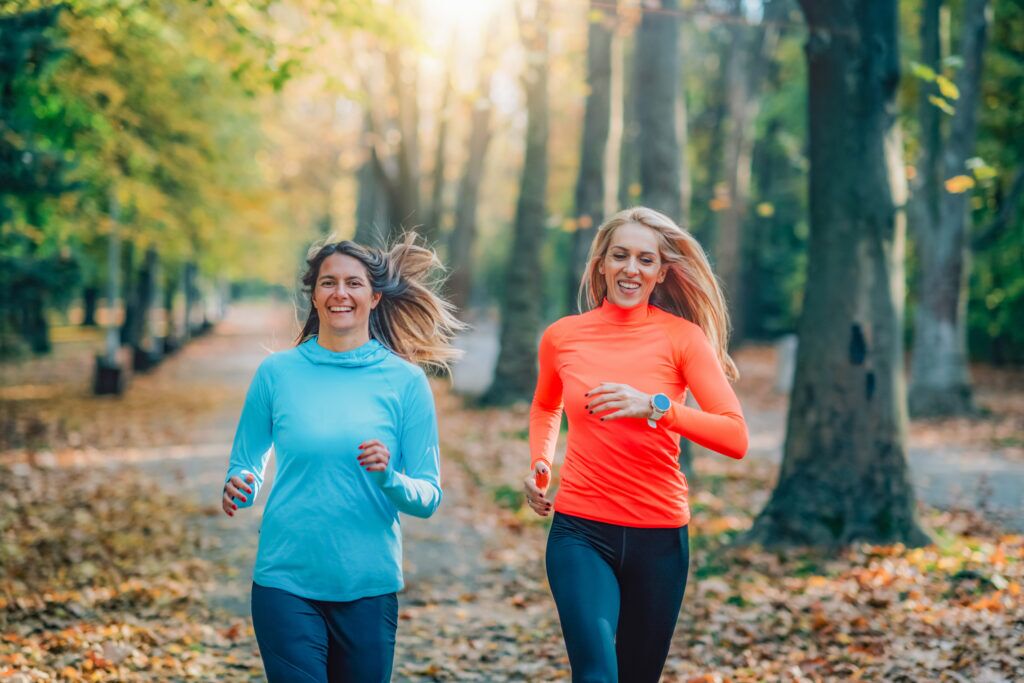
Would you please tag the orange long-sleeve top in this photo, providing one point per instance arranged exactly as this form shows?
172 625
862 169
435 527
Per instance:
623 471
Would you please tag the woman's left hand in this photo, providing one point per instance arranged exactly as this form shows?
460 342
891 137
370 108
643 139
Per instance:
623 399
374 456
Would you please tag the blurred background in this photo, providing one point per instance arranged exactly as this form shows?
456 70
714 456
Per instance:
158 159
166 164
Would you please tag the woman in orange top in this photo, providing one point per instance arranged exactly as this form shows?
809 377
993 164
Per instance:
618 551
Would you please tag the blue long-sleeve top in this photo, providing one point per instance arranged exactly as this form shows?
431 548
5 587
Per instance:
331 529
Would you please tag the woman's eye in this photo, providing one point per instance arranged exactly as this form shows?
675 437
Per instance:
647 261
618 257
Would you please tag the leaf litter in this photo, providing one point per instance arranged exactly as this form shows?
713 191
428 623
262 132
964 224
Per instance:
105 576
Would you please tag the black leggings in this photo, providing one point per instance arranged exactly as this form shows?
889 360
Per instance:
618 591
315 641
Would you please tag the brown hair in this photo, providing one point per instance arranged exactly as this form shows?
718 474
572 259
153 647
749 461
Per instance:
411 319
690 289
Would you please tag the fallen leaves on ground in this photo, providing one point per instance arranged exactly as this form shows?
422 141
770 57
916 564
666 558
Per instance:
106 575
102 581
952 611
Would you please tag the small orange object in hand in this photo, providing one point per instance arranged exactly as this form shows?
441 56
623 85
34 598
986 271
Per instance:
543 479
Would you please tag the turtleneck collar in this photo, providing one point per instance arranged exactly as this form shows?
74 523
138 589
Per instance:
623 316
370 353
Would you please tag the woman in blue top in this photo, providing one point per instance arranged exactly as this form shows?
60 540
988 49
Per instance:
350 416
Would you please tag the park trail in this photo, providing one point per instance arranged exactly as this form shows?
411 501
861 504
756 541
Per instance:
448 547
474 570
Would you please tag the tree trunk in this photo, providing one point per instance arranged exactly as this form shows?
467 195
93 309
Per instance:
685 178
90 299
629 154
172 330
751 51
130 293
191 297
657 77
431 230
406 183
371 202
844 475
939 380
113 337
35 326
463 235
590 184
516 373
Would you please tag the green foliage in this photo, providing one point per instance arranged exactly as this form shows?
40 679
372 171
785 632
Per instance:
33 170
509 497
996 297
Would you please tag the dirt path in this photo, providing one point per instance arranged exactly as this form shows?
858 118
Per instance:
475 606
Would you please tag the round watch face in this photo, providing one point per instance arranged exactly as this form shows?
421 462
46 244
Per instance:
661 402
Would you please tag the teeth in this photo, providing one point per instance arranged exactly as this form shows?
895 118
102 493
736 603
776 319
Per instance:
629 285
340 309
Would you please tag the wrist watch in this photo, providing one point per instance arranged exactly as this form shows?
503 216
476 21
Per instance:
660 403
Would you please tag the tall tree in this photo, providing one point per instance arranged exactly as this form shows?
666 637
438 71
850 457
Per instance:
656 87
371 203
32 171
397 164
747 60
463 234
939 379
629 166
844 475
432 228
590 183
516 371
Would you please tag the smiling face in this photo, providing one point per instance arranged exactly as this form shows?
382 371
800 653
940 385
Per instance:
632 265
343 298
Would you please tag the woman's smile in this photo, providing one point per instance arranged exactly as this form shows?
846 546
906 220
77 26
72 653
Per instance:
632 266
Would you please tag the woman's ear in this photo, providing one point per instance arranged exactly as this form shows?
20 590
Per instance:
662 274
374 300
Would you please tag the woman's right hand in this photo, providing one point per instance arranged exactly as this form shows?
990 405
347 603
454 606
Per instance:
536 496
236 488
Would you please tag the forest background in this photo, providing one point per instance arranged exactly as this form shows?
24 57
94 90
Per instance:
854 170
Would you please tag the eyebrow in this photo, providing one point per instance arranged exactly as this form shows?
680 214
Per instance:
343 277
643 253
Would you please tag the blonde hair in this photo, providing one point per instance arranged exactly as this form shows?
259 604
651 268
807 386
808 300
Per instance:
411 319
690 289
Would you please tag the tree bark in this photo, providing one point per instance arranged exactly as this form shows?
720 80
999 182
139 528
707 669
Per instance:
516 373
371 210
629 154
751 49
463 235
191 297
939 379
656 78
844 475
590 184
35 326
406 184
113 337
431 230
90 299
172 332
130 294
